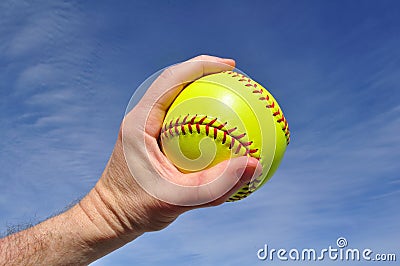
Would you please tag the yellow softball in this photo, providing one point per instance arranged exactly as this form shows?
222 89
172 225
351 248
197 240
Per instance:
221 116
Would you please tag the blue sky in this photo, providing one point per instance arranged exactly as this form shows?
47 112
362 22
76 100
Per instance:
68 70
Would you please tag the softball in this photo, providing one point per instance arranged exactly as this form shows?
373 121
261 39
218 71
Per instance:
221 116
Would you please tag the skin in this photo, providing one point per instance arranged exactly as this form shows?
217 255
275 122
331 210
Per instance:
118 210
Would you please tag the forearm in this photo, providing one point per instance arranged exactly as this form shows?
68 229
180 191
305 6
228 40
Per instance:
78 236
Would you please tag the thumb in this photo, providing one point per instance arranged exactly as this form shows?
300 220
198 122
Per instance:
215 185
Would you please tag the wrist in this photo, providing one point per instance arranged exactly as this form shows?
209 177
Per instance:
101 214
100 223
131 210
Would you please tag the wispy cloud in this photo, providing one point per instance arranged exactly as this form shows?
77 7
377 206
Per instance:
41 26
49 128
37 76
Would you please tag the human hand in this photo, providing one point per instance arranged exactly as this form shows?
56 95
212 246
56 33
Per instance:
140 189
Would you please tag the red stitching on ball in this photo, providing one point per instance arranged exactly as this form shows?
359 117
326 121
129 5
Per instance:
247 143
241 136
238 148
222 125
192 120
202 120
212 122
286 124
264 98
250 83
253 150
272 105
173 129
232 143
184 119
231 130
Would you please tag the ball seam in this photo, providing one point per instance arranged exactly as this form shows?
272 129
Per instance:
277 112
193 123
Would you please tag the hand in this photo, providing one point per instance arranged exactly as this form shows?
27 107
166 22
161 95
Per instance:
137 164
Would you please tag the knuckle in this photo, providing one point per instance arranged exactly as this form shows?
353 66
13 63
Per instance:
168 73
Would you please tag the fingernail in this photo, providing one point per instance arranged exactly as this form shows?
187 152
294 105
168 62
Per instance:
228 61
245 173
249 172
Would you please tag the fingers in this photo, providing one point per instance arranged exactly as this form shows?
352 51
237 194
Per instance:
210 187
213 186
172 80
247 168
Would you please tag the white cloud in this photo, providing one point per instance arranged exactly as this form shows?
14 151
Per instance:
43 26
36 76
53 97
50 146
